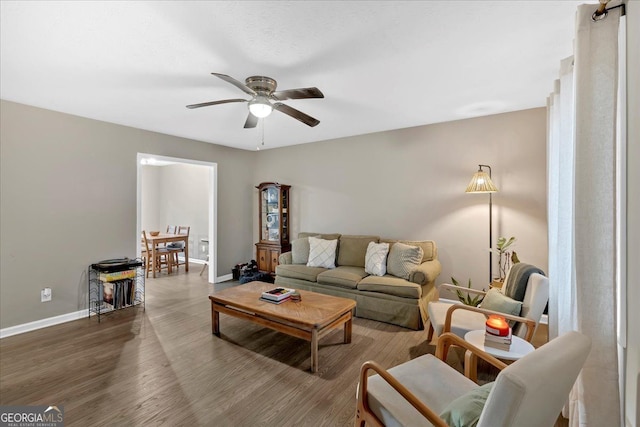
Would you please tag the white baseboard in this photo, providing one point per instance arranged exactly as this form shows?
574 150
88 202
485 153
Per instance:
43 323
192 260
224 278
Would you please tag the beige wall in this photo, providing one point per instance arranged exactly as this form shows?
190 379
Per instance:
150 193
632 387
177 194
410 184
68 197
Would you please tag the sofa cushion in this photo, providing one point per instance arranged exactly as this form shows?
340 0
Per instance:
402 259
325 236
322 253
376 258
352 249
430 251
390 285
300 250
297 271
344 276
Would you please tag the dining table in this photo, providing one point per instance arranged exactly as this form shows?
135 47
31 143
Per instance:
168 238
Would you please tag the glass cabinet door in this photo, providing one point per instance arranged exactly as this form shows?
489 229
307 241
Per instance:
270 212
285 214
274 212
274 224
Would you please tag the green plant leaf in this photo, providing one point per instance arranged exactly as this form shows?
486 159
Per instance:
466 298
503 243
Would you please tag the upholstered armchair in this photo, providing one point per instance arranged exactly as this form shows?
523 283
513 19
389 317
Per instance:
460 319
426 391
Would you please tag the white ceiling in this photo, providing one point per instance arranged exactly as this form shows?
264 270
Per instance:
381 65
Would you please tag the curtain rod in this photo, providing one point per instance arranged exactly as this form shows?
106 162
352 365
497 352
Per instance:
602 11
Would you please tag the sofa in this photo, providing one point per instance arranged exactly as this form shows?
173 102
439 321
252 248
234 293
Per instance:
388 298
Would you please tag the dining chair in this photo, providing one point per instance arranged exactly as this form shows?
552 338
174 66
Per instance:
163 256
171 229
460 318
426 391
178 247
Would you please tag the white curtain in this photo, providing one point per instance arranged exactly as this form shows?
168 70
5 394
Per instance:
582 212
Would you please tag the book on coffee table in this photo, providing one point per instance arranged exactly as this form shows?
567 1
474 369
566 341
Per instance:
277 294
506 339
496 341
500 346
274 301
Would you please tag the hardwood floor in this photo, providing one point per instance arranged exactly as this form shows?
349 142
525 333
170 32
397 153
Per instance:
163 366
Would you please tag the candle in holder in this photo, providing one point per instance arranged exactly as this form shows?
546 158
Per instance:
497 325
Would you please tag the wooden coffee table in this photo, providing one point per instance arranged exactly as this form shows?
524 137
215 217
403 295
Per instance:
308 319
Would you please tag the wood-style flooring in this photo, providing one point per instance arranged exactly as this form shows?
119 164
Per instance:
162 366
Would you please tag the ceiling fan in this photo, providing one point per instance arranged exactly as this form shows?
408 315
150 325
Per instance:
263 91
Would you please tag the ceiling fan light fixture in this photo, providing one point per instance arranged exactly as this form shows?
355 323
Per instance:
260 107
263 92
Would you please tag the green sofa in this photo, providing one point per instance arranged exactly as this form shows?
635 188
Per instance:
385 298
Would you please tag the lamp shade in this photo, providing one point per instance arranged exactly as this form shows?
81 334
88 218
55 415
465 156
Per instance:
481 183
260 107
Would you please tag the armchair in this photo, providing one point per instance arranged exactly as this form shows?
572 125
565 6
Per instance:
460 319
529 392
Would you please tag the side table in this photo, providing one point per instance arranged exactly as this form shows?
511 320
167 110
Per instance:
519 348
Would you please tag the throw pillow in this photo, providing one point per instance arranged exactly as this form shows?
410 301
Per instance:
402 259
375 260
300 251
497 301
322 253
465 411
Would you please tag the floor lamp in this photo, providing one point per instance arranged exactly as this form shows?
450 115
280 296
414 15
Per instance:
481 183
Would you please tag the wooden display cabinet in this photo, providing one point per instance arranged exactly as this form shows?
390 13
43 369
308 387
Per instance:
274 225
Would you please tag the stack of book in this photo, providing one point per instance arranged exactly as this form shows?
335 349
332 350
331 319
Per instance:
277 295
497 341
117 275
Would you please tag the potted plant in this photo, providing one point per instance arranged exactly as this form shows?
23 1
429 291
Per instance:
505 258
465 297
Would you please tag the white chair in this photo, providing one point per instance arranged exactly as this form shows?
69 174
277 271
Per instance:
528 393
460 319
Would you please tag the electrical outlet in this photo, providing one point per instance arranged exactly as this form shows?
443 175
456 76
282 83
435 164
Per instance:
45 295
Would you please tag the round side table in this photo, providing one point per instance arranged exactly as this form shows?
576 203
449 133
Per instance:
519 348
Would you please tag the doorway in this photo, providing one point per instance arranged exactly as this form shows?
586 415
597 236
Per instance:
175 191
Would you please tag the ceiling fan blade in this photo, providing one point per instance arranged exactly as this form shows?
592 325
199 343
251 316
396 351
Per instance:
296 114
252 121
236 83
302 93
224 101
